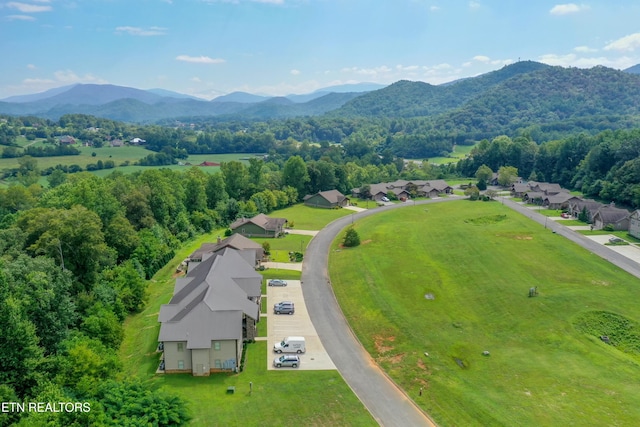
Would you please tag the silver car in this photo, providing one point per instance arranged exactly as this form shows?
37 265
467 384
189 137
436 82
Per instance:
287 360
277 282
284 307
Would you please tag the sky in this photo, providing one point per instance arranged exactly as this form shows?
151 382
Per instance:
208 48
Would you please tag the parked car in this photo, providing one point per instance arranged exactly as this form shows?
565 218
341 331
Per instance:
277 282
565 215
284 307
615 240
291 360
384 199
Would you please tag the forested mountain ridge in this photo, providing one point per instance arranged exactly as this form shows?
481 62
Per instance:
416 99
551 96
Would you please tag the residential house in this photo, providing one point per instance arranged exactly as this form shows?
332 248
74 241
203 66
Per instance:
609 215
533 197
634 224
590 207
259 226
214 309
559 201
117 143
137 141
326 199
251 251
403 189
66 140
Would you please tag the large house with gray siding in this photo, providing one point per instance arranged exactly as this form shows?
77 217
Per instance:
214 309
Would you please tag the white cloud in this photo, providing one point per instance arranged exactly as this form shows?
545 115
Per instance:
295 72
69 77
573 60
137 31
400 67
31 66
269 1
434 8
20 18
584 49
196 79
28 8
474 5
199 59
625 44
565 9
481 58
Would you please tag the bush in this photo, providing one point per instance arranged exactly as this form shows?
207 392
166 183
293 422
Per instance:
351 238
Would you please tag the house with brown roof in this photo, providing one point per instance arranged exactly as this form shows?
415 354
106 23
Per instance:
403 189
559 201
213 311
326 199
66 140
259 226
588 206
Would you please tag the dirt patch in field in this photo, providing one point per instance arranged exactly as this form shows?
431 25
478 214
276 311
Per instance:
600 282
515 236
365 242
381 344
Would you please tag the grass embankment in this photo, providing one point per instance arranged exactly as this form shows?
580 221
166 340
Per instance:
313 398
452 281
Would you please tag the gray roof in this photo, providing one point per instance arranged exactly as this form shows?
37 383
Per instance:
331 196
262 221
611 215
211 300
235 241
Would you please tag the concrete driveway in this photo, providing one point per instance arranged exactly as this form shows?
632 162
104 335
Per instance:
297 324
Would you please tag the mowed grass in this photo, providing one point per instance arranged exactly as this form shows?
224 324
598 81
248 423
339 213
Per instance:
120 155
313 398
477 261
308 218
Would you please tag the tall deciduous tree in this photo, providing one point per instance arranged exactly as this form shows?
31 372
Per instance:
295 174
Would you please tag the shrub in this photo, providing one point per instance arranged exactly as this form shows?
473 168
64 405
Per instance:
351 238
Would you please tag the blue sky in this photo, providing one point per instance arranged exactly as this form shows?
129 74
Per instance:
277 47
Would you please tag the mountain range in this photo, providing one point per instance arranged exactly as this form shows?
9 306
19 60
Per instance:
525 93
136 105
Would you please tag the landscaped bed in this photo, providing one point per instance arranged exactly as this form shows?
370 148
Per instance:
434 288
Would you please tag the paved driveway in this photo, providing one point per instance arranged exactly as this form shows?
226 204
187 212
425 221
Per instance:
297 324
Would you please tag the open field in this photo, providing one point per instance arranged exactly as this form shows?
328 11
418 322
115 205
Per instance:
431 288
459 152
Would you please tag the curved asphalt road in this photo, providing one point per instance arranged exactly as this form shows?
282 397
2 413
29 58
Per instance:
388 404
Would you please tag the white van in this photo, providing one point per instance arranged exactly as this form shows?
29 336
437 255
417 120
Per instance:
290 345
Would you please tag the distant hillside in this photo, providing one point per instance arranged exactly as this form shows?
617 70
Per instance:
243 97
553 95
37 96
415 99
633 70
171 94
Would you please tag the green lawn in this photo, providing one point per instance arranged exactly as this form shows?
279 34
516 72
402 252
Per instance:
281 247
459 152
431 289
308 218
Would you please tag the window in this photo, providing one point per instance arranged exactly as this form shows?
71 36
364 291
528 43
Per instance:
218 364
216 345
180 346
180 364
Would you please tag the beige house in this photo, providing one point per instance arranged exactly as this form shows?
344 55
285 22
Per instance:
634 224
213 311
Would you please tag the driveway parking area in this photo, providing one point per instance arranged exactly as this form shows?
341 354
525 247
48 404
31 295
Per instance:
297 324
630 251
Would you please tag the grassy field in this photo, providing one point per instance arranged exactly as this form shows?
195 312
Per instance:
319 398
307 218
436 287
459 152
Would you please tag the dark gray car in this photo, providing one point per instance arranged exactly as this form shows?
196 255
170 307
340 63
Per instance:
284 307
277 282
290 360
